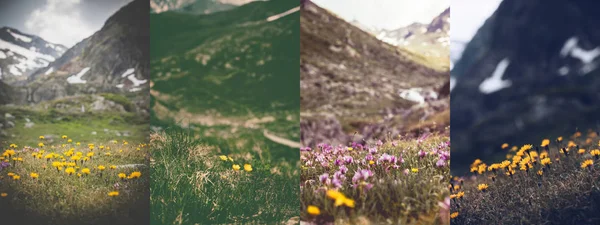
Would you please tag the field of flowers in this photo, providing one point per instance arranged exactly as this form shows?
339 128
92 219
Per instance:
195 181
63 181
397 182
556 182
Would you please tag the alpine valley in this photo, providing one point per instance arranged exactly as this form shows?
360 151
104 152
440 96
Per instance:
103 76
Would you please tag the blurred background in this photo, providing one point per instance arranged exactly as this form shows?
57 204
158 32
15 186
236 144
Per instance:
521 71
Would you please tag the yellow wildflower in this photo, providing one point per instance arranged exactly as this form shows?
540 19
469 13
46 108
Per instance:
236 167
454 215
247 167
587 163
313 210
70 170
482 187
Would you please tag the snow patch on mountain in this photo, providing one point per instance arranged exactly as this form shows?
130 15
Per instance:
495 82
24 52
128 72
14 70
135 81
22 38
76 79
49 71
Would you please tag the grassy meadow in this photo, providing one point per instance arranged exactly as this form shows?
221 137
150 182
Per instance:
220 181
555 182
402 181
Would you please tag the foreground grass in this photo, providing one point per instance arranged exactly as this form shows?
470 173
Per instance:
400 182
196 183
68 182
556 182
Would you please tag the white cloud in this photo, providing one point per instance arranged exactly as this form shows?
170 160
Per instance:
59 21
388 14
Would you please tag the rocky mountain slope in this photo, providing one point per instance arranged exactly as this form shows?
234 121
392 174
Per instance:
115 59
5 93
21 54
431 40
351 82
530 72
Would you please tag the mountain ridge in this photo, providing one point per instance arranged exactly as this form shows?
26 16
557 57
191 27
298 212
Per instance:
21 54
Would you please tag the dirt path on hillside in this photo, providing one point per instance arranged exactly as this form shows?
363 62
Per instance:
280 140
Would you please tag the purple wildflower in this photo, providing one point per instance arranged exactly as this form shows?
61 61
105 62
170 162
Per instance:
369 157
361 175
348 159
422 154
336 183
440 163
372 150
343 169
324 177
445 155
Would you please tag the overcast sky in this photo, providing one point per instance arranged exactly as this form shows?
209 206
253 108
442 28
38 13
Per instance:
466 16
388 14
58 21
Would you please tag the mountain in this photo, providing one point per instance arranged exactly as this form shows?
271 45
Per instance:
21 54
5 93
529 73
234 63
351 81
115 59
189 6
195 6
432 39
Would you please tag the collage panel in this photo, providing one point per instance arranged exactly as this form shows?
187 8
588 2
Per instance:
374 90
525 106
225 112
116 112
74 112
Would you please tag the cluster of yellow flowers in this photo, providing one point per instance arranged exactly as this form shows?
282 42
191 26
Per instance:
236 167
527 158
65 157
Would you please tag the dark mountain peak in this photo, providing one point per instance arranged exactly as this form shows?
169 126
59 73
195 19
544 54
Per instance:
529 64
440 22
132 14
